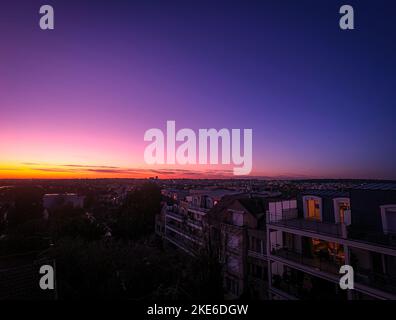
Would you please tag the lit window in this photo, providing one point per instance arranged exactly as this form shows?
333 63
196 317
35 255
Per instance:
343 206
313 209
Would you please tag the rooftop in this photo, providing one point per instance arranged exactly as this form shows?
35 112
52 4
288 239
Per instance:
384 186
214 193
327 193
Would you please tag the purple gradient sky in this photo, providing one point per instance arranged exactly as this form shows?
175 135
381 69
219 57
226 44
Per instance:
320 101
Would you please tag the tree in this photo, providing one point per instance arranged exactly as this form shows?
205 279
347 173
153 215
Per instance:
137 215
27 205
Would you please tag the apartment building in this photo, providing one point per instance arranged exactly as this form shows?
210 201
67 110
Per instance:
330 228
238 231
274 247
183 223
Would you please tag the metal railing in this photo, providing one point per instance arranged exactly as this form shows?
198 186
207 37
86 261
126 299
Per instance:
384 238
326 264
182 232
311 225
257 254
377 280
174 215
296 288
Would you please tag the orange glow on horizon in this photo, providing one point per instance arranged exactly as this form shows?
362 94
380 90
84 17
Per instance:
33 170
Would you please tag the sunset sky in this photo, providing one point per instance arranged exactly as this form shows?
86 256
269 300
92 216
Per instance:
76 101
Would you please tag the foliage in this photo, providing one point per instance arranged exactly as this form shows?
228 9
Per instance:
128 265
27 205
107 269
136 217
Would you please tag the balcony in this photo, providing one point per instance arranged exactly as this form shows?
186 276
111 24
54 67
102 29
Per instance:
184 232
187 244
387 239
290 220
175 216
329 264
380 281
256 254
184 219
307 287
194 223
198 209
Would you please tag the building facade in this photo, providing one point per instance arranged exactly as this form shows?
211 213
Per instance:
293 248
332 229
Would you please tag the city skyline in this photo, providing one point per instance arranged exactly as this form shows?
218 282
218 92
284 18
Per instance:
76 101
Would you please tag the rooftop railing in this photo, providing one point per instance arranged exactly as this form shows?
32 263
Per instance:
290 220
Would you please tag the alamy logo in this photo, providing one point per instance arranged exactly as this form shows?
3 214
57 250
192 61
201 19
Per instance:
47 20
208 141
347 280
347 20
47 280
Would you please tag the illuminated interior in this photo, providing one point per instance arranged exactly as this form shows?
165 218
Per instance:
313 209
343 206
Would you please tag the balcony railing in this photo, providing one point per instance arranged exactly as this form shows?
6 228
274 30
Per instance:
195 223
285 214
387 238
183 232
198 209
325 264
188 243
291 289
311 225
257 254
174 215
377 280
295 288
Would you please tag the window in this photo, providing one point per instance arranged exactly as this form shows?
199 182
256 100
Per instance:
388 216
233 265
233 242
391 219
288 239
258 245
341 207
313 209
237 218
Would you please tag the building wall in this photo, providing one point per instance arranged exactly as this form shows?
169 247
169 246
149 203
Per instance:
365 206
51 201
